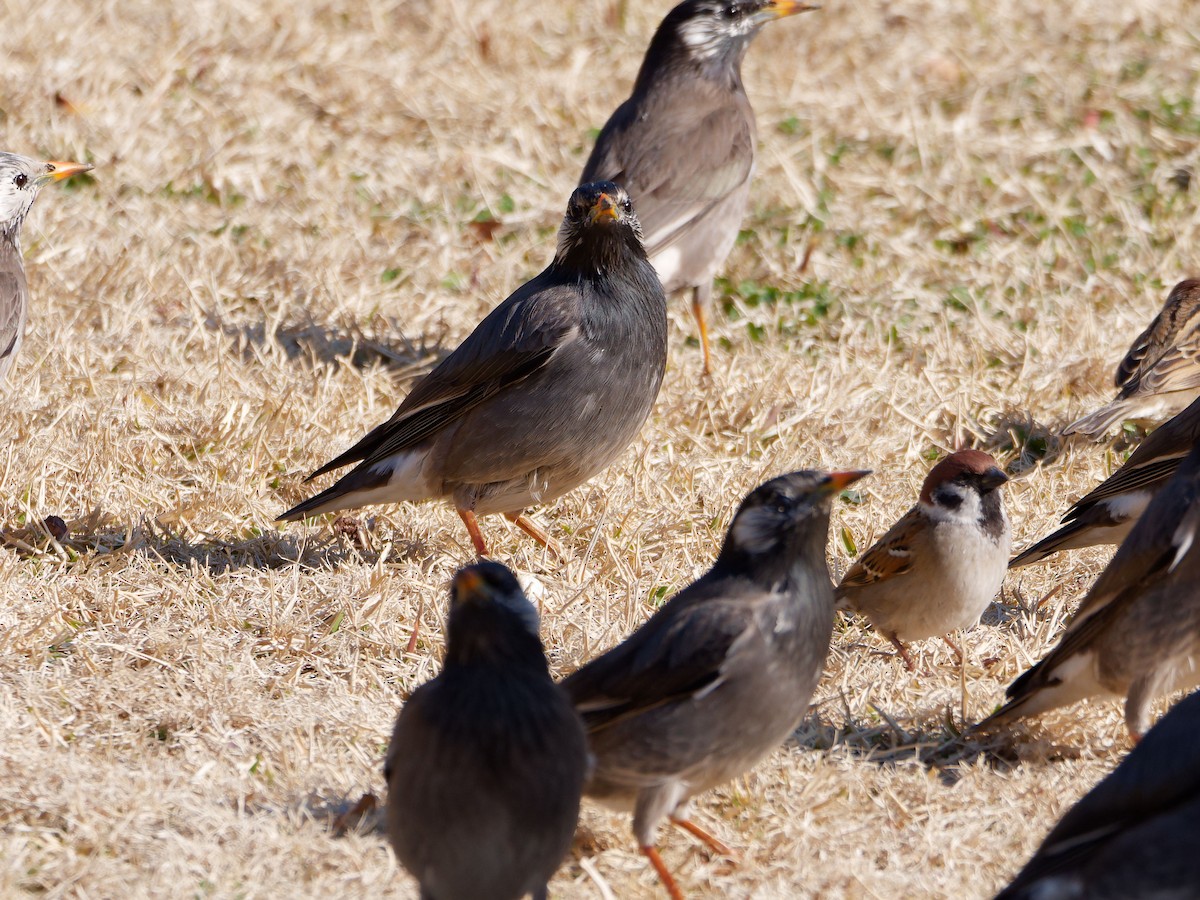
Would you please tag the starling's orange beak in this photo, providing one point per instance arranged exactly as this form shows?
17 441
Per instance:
778 9
57 171
604 208
469 587
839 481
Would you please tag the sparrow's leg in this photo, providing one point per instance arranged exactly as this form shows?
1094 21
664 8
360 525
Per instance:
664 874
715 844
701 302
903 651
953 649
472 524
537 532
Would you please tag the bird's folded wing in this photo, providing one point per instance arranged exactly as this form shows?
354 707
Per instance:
1150 475
1177 369
1161 773
672 656
10 313
673 192
888 557
515 340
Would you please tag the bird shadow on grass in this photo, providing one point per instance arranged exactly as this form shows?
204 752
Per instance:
382 342
1016 431
97 538
931 738
339 814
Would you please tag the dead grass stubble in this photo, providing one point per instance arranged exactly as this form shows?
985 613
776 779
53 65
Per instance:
278 239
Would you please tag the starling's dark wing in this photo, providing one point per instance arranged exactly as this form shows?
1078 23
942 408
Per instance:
516 339
1161 773
11 303
681 651
672 191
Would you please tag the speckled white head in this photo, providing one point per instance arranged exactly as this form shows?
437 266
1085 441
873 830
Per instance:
21 178
715 28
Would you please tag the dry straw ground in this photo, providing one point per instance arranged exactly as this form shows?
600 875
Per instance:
279 237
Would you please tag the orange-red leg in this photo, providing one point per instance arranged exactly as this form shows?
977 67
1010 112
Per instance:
472 524
715 844
535 531
664 874
702 324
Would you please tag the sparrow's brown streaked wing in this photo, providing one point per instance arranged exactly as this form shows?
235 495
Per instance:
890 556
1163 346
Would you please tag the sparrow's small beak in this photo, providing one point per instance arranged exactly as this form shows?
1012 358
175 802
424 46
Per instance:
779 9
604 208
57 171
839 481
469 587
992 479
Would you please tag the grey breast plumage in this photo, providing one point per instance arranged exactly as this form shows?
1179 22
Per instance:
487 760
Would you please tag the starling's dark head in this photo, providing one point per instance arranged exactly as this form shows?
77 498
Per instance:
783 518
710 30
600 221
20 180
487 585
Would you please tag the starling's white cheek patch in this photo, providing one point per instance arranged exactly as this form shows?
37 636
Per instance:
757 529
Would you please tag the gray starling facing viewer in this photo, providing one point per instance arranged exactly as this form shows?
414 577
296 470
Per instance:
21 178
547 390
683 144
723 673
487 762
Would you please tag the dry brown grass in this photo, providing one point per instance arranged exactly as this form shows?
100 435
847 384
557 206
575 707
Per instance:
276 241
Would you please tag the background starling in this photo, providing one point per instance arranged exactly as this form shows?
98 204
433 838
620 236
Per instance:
21 179
546 391
488 759
723 673
683 144
1136 833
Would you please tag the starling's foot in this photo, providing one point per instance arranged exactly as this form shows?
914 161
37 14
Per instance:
664 874
536 532
715 844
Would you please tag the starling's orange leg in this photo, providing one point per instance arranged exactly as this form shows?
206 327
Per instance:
908 663
954 649
535 531
664 874
702 323
472 524
715 844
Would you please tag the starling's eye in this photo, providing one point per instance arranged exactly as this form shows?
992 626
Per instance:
627 205
21 180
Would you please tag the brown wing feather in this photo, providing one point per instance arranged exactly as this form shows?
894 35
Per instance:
890 556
